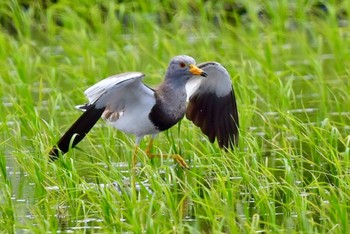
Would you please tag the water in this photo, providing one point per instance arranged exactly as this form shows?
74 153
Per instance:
24 188
306 109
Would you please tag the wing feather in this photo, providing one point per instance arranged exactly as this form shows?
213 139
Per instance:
111 94
212 105
110 91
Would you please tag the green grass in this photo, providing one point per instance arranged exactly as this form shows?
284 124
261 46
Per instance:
290 72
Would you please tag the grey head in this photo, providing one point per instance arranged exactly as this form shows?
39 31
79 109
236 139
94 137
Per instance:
171 95
181 68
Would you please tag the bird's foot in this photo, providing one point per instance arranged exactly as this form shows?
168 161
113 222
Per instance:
180 161
177 157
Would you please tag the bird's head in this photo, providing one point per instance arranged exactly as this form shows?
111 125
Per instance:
182 67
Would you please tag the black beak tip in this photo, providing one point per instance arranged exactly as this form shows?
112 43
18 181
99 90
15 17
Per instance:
204 74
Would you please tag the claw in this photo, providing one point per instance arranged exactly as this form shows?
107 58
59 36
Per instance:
177 157
180 161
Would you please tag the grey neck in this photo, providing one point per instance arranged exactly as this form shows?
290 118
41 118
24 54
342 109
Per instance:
170 105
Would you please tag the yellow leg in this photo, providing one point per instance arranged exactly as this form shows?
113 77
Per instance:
134 159
177 157
149 147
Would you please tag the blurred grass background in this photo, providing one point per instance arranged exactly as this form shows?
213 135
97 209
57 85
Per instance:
289 67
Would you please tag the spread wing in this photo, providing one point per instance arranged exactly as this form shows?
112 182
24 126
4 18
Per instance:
112 94
112 90
212 105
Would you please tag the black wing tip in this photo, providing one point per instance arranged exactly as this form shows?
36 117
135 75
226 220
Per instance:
76 132
83 107
230 143
217 117
54 154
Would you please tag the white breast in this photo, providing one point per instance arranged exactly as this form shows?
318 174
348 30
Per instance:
134 120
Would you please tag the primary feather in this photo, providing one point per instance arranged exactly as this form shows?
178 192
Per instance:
212 105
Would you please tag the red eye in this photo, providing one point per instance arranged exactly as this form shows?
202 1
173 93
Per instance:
182 64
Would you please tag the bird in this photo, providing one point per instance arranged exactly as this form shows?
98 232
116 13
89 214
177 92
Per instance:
203 93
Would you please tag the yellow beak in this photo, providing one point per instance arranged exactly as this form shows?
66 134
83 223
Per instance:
197 71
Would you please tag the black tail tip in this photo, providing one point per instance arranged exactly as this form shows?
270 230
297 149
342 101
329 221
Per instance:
54 154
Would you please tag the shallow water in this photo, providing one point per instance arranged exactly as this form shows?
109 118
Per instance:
305 108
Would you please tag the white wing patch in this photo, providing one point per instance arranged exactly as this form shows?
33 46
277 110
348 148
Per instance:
192 85
96 91
218 81
126 102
